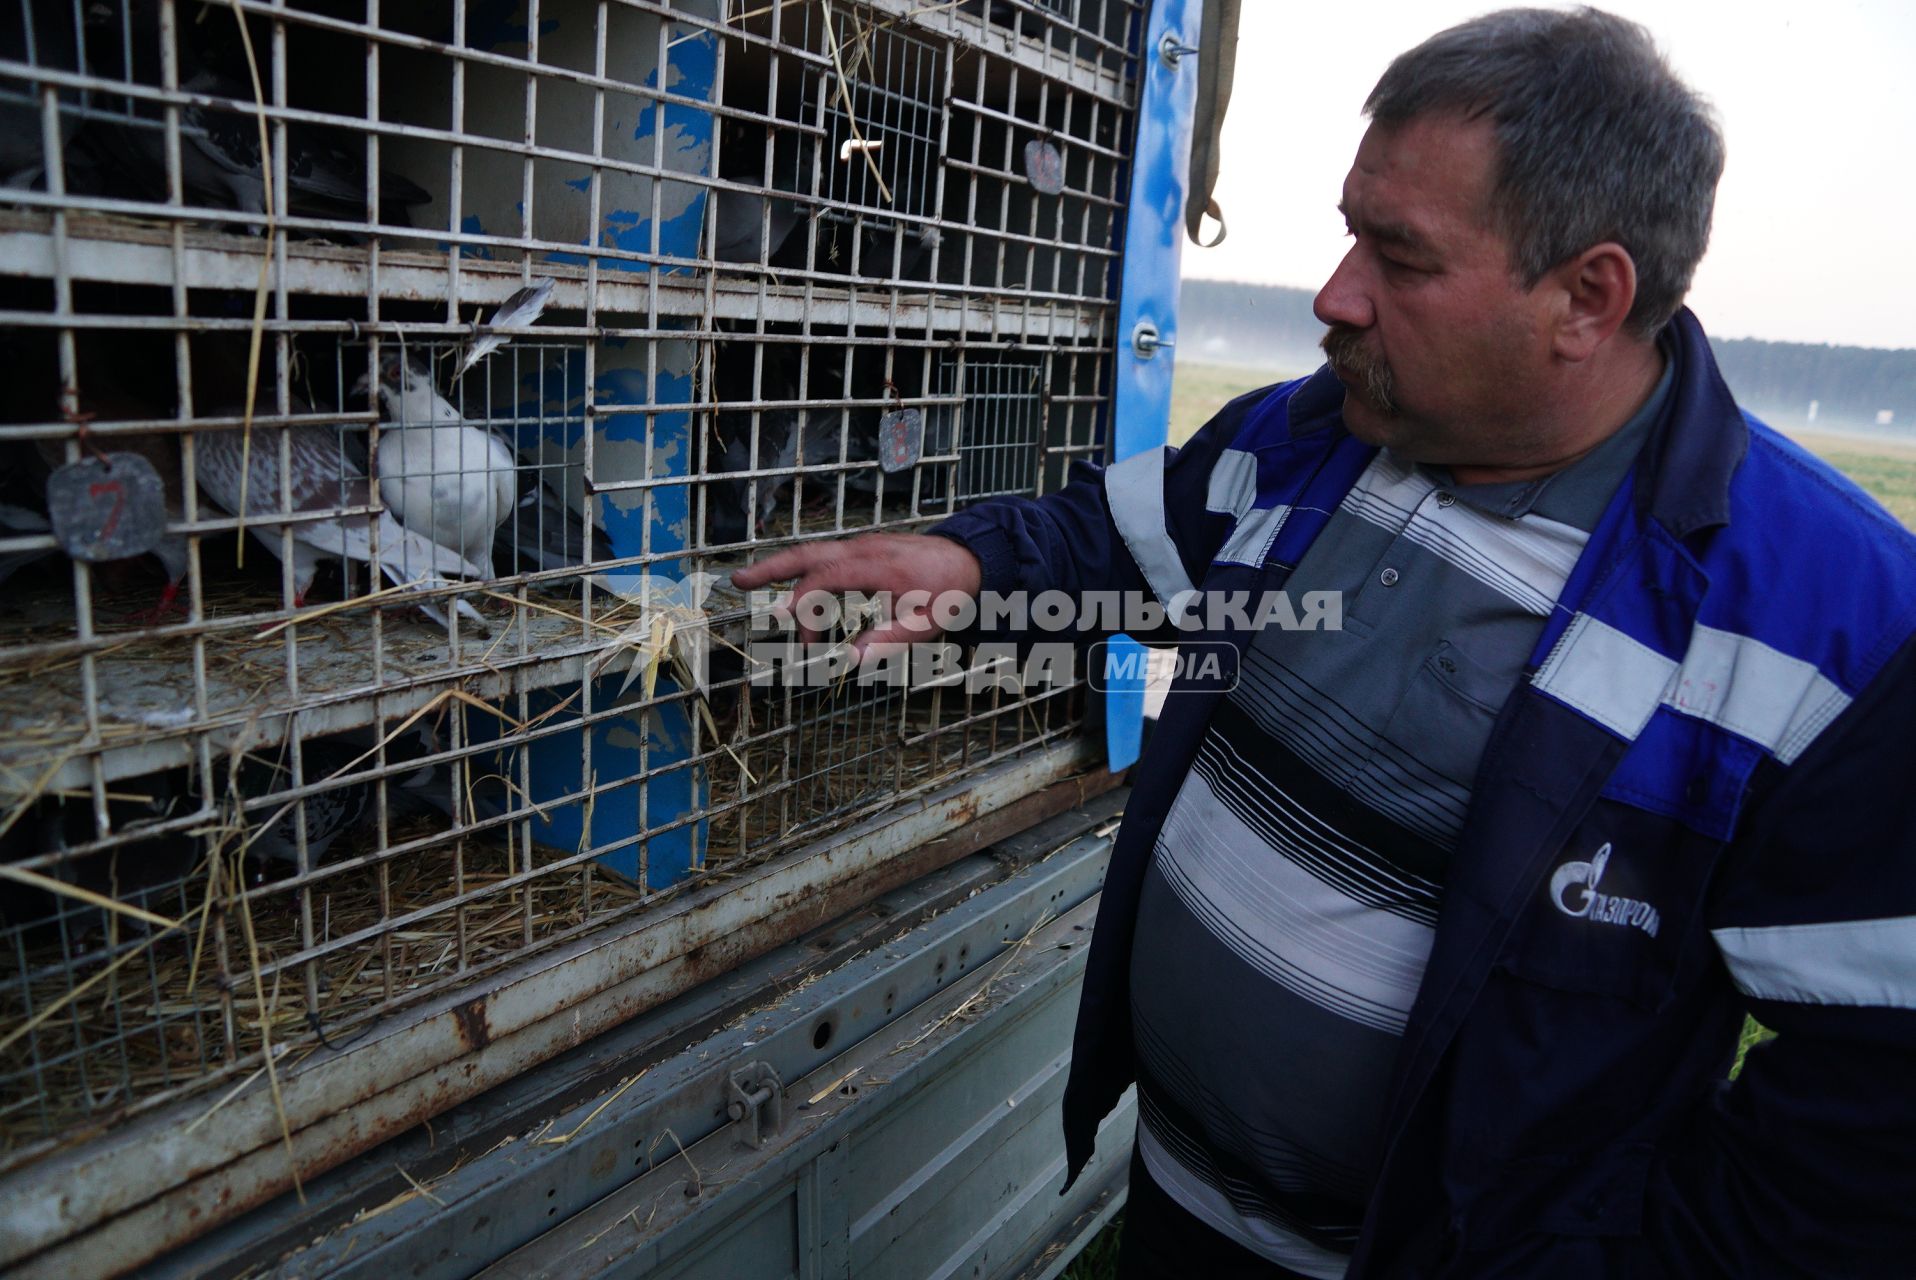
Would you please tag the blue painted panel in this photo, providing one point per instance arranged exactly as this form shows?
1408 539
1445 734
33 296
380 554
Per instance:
622 747
1154 231
636 521
1153 239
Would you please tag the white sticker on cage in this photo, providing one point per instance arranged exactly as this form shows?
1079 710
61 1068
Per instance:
1044 165
901 439
107 508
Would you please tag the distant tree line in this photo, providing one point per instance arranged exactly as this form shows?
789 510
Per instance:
1262 324
1848 383
1272 325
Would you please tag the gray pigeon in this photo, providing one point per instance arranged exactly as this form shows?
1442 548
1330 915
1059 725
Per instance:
739 504
226 151
743 224
544 532
273 829
753 228
220 159
322 478
760 229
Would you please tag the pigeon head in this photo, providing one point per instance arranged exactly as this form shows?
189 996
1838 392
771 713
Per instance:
407 396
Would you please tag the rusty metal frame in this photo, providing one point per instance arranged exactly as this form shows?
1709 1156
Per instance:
153 1182
1035 283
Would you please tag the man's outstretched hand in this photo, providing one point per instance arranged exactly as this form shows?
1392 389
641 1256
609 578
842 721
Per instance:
897 563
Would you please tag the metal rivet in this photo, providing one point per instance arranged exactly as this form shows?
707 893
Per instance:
1388 577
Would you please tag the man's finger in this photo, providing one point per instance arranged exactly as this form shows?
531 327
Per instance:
889 639
823 566
777 567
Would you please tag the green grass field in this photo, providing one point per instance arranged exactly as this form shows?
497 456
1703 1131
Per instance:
1200 390
1886 470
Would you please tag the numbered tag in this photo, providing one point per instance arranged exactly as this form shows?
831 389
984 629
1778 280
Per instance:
901 439
107 508
1044 165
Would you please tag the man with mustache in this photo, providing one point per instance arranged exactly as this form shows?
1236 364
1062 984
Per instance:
1427 941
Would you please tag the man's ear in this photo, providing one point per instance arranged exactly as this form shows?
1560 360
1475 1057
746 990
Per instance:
1598 288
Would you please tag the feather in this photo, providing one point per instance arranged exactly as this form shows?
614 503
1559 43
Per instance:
520 311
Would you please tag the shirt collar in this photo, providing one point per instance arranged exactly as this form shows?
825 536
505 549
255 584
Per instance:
1577 494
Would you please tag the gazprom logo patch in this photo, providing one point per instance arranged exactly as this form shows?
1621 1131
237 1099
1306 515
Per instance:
1573 891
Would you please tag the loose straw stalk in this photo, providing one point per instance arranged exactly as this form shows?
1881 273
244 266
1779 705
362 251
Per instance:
265 270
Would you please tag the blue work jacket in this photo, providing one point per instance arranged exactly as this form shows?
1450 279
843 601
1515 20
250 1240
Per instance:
1700 802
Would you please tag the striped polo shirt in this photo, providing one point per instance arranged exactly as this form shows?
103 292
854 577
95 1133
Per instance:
1289 908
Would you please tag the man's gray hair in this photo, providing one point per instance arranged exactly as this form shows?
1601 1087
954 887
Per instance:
1597 139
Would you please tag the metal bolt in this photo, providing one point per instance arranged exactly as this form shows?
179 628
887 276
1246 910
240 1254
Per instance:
1146 340
1173 50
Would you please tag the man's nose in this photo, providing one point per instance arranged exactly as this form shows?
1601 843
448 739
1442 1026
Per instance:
1343 299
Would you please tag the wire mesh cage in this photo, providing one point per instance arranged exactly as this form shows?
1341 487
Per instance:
385 374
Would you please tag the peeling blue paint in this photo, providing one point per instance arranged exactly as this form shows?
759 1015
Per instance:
695 77
471 226
626 745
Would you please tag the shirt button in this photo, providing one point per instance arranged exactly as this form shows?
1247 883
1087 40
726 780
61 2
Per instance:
1446 498
1388 577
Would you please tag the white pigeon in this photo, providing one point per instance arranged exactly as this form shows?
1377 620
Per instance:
441 476
322 478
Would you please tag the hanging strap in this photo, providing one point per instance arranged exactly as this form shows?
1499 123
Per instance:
1217 60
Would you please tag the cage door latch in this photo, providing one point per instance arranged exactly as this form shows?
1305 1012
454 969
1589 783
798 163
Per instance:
754 1093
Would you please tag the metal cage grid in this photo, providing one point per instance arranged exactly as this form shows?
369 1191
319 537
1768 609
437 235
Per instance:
404 712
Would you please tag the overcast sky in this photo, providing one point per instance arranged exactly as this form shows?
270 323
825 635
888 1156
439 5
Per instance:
1815 237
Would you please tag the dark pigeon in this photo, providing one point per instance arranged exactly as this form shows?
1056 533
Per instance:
544 532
